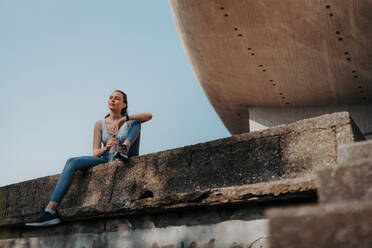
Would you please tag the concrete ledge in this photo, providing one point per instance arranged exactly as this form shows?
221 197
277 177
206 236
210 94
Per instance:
345 182
283 152
219 196
325 226
253 193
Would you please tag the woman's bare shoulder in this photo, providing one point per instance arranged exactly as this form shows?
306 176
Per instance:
98 124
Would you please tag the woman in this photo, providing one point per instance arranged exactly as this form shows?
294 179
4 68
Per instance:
120 142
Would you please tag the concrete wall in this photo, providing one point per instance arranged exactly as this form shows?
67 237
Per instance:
234 233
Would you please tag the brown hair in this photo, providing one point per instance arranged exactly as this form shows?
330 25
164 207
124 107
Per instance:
125 100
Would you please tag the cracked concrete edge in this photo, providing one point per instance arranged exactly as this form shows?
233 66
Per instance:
216 196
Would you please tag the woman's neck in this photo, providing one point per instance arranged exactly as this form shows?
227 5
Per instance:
115 115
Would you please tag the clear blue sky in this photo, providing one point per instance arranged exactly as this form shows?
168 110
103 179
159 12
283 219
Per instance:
60 61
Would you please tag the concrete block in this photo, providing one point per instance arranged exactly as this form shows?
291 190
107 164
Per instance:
345 182
356 151
346 225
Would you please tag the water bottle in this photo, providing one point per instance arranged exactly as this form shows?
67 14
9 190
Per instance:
112 150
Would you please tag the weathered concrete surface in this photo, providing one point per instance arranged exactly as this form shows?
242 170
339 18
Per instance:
283 152
345 182
287 53
346 225
236 234
351 152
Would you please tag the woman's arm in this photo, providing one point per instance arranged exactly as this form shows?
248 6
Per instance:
142 117
97 136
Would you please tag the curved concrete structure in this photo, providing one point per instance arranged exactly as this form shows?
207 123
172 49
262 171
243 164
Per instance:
288 55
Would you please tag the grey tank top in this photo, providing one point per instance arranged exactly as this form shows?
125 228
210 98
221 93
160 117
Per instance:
121 135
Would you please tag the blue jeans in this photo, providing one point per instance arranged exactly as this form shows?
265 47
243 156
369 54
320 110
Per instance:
83 162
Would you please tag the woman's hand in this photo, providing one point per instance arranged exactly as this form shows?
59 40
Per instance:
111 142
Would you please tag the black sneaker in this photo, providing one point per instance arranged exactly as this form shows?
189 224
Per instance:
121 152
44 219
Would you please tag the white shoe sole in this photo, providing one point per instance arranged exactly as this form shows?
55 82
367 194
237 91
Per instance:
120 155
45 223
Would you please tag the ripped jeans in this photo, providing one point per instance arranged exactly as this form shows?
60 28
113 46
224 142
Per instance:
83 162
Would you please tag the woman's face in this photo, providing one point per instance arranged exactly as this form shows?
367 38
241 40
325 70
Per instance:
115 101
